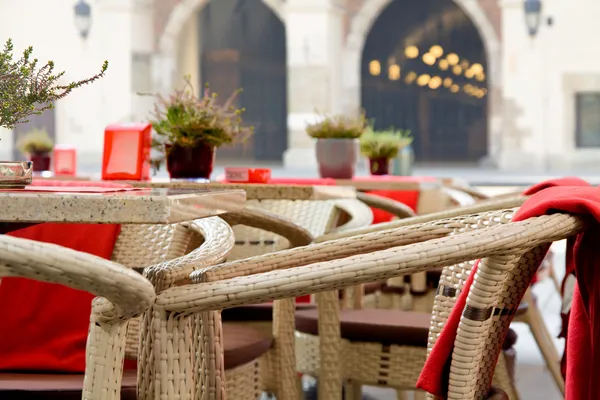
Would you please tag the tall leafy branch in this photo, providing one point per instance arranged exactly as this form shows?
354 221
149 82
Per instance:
28 87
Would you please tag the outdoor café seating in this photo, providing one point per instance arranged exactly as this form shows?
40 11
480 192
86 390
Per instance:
244 295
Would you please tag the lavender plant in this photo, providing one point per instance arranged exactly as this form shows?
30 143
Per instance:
30 88
185 120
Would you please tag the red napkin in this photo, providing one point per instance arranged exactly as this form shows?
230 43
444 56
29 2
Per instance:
80 184
303 181
43 326
583 343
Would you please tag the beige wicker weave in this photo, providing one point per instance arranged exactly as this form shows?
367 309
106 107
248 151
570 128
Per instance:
125 294
327 251
167 366
264 280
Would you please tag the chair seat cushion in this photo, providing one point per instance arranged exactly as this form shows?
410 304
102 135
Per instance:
379 326
256 312
55 386
243 344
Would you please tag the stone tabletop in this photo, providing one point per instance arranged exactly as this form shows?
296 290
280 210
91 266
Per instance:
148 206
263 191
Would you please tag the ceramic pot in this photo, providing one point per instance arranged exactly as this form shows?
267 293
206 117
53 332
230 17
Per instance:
194 162
337 158
41 161
379 166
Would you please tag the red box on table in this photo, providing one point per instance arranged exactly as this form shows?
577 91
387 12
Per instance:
247 175
65 160
127 152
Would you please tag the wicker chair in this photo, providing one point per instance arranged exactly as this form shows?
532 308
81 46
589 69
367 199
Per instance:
125 294
167 366
325 251
137 247
274 277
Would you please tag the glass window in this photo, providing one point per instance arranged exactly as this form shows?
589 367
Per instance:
588 119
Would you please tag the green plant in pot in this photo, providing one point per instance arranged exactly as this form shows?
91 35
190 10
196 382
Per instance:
38 145
382 146
337 144
189 128
28 87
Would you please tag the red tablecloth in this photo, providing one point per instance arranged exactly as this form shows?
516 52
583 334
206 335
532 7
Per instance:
43 326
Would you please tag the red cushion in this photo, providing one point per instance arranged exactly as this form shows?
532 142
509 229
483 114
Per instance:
408 197
43 326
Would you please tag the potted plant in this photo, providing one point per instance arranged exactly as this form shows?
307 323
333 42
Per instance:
27 88
38 145
382 146
189 129
337 144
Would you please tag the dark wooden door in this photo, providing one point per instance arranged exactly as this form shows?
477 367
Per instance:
448 122
243 46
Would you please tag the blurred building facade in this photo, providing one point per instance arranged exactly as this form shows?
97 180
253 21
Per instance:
463 76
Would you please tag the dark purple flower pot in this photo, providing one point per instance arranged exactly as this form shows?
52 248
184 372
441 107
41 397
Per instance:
41 161
190 162
379 166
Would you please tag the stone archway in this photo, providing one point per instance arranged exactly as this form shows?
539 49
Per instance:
165 59
360 27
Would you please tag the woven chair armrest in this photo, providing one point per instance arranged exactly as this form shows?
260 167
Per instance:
218 242
510 239
346 247
129 292
458 197
360 214
267 221
397 208
474 193
480 207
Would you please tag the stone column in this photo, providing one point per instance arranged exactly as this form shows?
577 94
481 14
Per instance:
142 48
314 30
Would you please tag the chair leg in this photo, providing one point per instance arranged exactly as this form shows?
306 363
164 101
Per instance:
352 390
534 319
401 395
105 351
330 372
419 395
284 349
554 278
503 379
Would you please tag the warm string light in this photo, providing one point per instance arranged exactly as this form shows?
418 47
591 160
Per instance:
375 68
394 72
435 56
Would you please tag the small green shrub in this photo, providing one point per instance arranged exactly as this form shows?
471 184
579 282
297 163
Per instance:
35 141
338 127
384 144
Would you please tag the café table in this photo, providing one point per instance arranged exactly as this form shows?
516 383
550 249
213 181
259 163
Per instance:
140 206
256 191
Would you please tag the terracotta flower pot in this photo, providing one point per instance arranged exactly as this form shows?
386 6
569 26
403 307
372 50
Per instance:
190 162
379 166
41 161
337 158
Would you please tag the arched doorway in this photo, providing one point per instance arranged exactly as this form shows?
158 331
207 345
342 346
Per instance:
243 45
424 68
